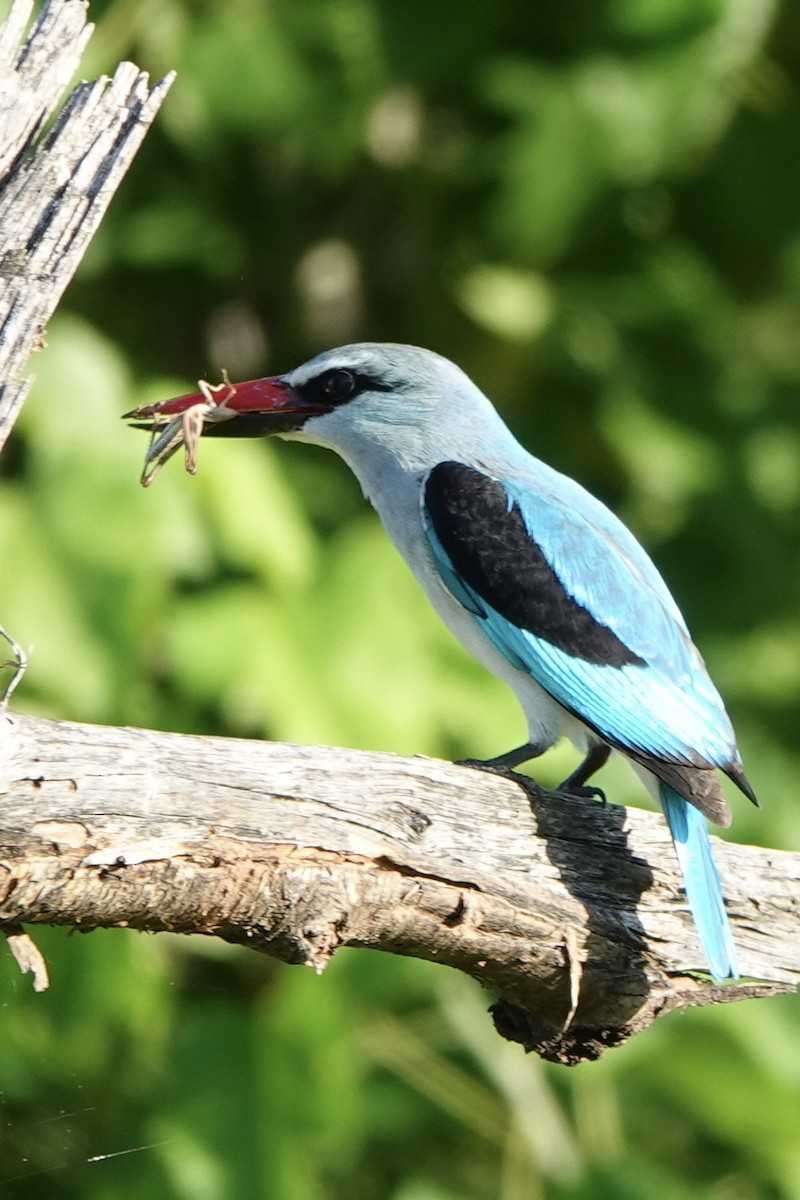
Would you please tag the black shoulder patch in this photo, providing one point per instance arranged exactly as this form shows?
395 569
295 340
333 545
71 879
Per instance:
492 550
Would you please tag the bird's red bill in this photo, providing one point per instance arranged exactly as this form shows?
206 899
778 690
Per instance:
183 420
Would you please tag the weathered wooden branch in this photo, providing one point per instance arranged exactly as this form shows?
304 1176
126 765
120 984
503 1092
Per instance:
572 913
54 191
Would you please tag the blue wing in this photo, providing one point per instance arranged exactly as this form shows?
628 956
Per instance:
608 642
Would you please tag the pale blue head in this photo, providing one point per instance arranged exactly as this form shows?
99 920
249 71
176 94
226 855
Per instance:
381 406
409 402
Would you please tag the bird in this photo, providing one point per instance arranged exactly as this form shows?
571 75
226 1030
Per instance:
537 578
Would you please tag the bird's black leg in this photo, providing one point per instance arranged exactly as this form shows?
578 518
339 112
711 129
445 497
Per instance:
575 784
504 764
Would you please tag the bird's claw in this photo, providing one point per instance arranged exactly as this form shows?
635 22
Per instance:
567 790
580 791
494 766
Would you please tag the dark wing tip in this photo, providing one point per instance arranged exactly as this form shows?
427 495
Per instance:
699 785
740 779
702 789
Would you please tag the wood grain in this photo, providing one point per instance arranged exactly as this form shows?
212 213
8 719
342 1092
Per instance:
571 913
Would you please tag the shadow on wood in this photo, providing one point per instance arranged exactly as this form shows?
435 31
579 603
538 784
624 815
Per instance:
571 914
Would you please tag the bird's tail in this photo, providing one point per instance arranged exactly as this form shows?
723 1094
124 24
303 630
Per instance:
700 878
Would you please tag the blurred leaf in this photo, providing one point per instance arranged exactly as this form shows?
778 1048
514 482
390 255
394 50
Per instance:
512 304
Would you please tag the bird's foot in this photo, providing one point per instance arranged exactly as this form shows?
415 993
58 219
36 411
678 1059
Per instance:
579 791
572 788
505 769
492 766
504 764
575 785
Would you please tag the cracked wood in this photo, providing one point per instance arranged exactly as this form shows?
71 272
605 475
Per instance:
572 914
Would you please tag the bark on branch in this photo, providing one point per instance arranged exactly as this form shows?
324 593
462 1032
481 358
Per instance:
572 914
54 192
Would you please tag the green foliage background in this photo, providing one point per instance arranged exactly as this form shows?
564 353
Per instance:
593 208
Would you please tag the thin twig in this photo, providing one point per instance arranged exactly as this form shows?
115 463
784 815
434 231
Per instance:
19 662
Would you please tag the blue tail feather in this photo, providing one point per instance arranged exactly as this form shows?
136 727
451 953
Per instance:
703 888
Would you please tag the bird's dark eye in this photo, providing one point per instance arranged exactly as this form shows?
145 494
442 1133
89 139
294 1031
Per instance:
338 385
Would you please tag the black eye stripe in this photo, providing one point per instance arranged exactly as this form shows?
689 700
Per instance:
338 385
